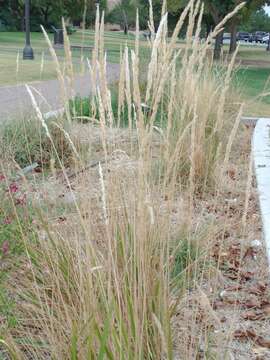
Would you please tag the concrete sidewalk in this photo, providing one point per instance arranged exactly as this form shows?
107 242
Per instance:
15 101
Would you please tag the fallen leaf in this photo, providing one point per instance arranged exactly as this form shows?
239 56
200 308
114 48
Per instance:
252 302
247 275
266 311
232 174
245 334
265 303
217 304
250 252
253 315
257 289
263 342
250 334
260 351
234 287
38 170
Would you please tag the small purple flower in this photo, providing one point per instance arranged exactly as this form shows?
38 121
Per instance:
5 247
13 188
7 220
21 201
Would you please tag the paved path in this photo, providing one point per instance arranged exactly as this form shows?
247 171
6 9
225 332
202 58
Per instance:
15 101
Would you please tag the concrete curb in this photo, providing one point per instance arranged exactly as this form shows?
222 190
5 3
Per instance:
261 155
54 113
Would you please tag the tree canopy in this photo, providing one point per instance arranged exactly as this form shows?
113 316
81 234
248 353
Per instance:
46 12
49 12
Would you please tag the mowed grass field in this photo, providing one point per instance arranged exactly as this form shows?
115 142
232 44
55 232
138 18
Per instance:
251 76
254 86
14 70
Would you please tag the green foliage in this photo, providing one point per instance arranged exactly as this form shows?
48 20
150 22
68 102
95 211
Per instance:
47 12
184 255
7 308
15 216
124 13
25 141
15 225
84 109
258 21
11 14
253 82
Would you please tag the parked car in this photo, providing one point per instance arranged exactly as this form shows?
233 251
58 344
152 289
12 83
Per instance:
243 36
226 36
258 36
266 39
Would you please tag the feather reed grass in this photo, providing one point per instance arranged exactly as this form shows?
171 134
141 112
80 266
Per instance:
102 286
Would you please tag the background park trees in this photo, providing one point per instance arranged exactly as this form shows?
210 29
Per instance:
46 12
216 10
251 18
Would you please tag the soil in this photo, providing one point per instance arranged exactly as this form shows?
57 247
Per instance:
227 314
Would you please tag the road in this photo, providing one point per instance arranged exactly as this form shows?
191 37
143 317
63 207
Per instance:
15 100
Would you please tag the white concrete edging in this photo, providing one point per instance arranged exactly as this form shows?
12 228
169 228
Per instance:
54 113
261 156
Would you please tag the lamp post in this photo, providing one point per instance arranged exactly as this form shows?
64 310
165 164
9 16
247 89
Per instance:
28 53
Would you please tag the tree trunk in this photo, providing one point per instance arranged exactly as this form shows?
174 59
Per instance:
208 29
218 45
22 23
233 43
125 22
268 43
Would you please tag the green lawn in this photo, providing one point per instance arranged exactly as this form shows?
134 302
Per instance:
255 53
252 84
251 81
14 70
254 81
12 43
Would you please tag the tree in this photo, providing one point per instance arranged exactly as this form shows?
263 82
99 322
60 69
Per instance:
220 8
47 12
251 7
214 12
74 10
217 10
124 14
12 14
258 20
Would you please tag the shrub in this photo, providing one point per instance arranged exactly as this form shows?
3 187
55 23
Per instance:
15 216
85 109
26 142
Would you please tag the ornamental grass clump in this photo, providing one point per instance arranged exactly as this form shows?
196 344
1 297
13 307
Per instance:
25 141
102 285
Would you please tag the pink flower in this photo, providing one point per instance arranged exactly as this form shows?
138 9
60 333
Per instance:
13 188
7 220
5 247
2 177
21 201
